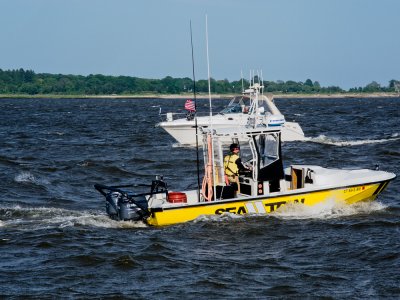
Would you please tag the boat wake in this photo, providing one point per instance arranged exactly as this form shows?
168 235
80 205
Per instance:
28 218
297 211
329 209
179 145
322 139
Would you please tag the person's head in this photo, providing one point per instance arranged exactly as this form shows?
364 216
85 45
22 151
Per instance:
234 148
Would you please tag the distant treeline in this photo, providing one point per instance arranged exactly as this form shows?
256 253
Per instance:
28 82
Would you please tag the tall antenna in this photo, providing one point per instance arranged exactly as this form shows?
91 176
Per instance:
262 83
195 117
241 76
208 72
211 122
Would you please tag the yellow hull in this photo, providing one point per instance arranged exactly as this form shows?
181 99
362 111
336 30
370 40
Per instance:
184 213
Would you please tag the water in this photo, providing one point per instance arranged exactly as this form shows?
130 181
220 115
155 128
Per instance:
56 242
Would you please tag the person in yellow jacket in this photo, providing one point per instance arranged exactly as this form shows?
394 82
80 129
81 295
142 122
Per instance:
233 165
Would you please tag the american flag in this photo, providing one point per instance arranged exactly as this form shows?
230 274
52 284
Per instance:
189 105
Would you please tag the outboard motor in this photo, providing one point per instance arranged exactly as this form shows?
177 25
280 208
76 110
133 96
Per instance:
125 206
112 206
119 207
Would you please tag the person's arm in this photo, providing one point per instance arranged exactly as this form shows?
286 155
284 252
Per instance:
240 165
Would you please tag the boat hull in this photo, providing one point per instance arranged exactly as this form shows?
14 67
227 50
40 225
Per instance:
175 214
185 133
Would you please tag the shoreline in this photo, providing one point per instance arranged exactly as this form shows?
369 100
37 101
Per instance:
199 96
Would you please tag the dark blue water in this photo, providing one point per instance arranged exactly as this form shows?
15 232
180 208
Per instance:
56 242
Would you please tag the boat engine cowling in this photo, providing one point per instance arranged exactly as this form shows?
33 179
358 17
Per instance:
119 207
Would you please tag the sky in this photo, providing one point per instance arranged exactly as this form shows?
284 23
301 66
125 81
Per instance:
345 43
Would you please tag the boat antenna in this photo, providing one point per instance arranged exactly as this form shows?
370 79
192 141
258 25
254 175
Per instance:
208 72
209 98
241 76
262 83
195 116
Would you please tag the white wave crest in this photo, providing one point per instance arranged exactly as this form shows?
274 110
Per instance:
25 177
28 218
179 145
322 139
326 210
94 220
218 218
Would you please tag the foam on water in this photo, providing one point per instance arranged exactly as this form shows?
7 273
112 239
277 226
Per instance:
330 209
27 218
95 220
179 145
326 210
322 139
27 177
218 218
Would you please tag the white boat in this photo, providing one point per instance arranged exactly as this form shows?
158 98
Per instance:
266 188
250 108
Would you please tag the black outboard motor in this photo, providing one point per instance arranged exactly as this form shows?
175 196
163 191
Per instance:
112 199
120 207
125 206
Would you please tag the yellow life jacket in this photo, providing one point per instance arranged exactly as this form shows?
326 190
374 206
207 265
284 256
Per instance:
230 165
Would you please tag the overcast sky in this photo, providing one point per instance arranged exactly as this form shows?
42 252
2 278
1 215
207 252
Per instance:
346 43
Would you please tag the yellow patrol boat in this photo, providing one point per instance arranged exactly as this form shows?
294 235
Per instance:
265 188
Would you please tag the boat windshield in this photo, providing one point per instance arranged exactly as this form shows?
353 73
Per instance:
268 146
238 104
245 153
243 104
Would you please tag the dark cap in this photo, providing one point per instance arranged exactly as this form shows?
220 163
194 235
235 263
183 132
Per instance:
233 146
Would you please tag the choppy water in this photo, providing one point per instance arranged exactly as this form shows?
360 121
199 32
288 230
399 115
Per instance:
56 242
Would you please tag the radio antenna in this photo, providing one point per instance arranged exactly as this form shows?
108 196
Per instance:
195 116
211 122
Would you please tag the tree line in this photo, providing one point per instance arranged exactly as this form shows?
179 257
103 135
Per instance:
28 82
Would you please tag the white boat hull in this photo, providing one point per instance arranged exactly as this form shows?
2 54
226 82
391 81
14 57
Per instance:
184 131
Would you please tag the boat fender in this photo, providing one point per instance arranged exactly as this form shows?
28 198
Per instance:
177 197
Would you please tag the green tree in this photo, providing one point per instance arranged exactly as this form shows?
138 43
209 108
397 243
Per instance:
308 82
